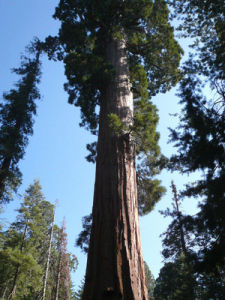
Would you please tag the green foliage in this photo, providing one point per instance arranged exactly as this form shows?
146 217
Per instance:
116 125
16 120
83 239
149 190
25 244
77 295
150 281
200 137
181 247
175 282
150 161
87 27
66 262
201 146
176 279
62 263
23 251
211 286
204 21
177 238
92 148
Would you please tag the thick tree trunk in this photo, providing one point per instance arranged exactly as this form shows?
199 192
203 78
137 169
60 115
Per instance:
115 268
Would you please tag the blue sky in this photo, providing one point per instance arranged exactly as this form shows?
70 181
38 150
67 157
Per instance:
56 152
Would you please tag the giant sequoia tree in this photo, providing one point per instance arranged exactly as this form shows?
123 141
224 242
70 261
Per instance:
117 55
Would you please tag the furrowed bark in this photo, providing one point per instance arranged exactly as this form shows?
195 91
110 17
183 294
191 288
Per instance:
115 268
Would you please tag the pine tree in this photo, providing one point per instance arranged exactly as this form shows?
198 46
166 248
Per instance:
77 295
48 259
200 137
18 265
62 265
29 246
24 246
177 279
150 281
16 121
118 54
176 239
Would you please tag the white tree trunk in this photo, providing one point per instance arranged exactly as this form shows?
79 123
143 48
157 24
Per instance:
48 260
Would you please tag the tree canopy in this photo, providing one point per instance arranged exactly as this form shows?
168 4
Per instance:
16 120
154 56
23 251
200 137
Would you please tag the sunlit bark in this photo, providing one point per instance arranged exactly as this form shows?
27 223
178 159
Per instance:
115 268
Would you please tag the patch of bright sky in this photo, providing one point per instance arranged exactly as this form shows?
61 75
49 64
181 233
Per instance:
56 152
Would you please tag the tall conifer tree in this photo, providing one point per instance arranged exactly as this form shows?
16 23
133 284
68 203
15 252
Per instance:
25 249
25 246
16 120
45 277
117 55
177 278
200 136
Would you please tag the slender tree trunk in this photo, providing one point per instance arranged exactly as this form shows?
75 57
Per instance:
14 286
115 268
58 275
48 260
188 271
4 292
181 229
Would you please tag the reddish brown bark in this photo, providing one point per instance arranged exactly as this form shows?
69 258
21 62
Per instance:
115 268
